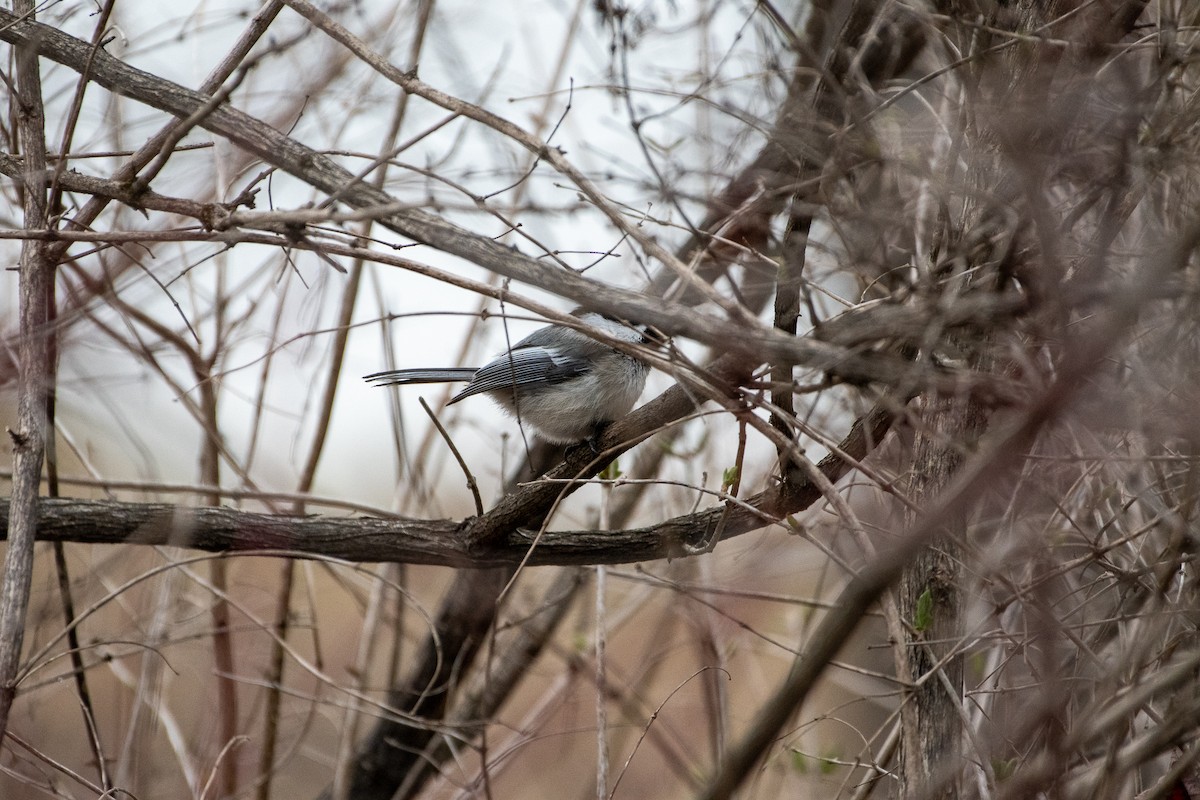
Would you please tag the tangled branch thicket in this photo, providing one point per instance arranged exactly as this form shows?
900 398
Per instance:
908 509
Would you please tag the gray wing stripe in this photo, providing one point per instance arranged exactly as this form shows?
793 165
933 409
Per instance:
523 367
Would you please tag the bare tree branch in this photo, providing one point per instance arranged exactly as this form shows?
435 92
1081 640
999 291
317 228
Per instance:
497 538
29 437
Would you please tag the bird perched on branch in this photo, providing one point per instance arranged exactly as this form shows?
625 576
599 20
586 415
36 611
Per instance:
559 380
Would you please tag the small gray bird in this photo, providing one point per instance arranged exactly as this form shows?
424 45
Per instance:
563 383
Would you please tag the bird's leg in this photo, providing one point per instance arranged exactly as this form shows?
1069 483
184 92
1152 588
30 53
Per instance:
598 430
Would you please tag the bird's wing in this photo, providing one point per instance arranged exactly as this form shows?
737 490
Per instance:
522 367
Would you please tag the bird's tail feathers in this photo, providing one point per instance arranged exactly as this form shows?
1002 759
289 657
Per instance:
403 377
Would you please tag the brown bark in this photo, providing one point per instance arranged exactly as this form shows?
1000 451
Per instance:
29 436
929 599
